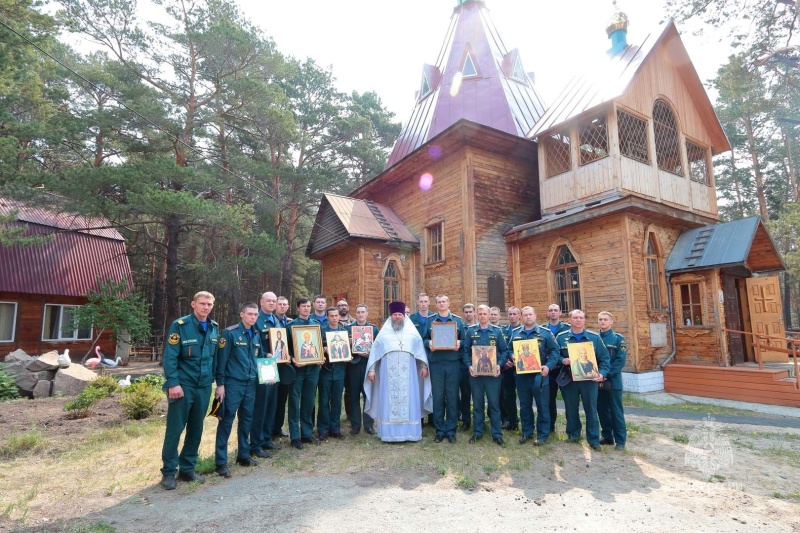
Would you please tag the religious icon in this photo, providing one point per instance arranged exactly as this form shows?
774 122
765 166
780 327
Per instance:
526 356
308 345
277 344
444 335
338 346
362 339
484 360
267 370
582 361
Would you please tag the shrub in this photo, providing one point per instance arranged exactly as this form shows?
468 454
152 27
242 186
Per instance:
21 444
83 402
152 379
140 400
8 391
106 383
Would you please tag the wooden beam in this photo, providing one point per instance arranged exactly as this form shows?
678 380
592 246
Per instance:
469 259
630 310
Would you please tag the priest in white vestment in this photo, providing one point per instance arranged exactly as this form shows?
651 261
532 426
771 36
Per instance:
397 385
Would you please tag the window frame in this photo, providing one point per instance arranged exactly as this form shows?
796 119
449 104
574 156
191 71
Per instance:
655 288
706 161
397 279
680 171
648 160
429 243
61 338
13 322
586 126
554 267
689 280
546 147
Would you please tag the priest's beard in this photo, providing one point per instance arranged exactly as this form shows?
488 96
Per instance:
397 325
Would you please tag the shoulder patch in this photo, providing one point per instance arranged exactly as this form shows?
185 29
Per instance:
214 323
181 321
232 328
174 338
222 341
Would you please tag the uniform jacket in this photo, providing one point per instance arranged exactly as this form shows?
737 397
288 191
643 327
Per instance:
190 353
237 353
420 322
334 371
549 352
600 351
618 353
491 336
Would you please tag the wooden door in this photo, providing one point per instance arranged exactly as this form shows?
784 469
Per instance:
733 319
766 318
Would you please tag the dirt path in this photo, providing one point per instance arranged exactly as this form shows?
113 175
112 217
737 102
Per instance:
566 488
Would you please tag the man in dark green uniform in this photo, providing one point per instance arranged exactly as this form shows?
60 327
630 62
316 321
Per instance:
331 384
358 371
508 383
556 327
464 390
266 393
304 387
445 372
239 347
488 387
609 402
582 391
535 387
420 319
284 389
189 359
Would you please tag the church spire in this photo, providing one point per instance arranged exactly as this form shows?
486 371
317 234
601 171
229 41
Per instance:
475 78
617 31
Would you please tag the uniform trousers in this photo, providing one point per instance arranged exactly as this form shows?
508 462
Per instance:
445 376
612 416
331 387
355 375
301 402
465 393
488 388
188 412
534 388
586 392
240 397
508 397
263 416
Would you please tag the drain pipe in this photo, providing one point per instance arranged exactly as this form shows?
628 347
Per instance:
671 324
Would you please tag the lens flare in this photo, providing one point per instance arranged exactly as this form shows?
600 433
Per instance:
425 181
435 151
456 86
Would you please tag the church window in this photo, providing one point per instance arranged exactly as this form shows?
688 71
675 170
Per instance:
425 87
391 286
697 159
566 280
518 73
654 276
434 238
665 128
594 140
691 304
632 137
557 154
469 67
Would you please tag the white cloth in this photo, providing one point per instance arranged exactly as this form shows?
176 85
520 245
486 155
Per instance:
399 397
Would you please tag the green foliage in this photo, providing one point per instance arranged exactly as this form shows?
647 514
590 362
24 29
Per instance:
21 444
81 406
106 383
113 309
96 527
205 465
8 390
140 400
154 380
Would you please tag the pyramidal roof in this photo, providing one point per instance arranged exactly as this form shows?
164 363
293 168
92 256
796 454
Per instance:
475 78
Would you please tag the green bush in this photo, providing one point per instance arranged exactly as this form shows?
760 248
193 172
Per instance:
106 383
83 402
8 391
140 400
21 444
152 379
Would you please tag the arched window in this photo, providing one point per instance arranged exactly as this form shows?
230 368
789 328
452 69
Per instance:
665 129
391 286
653 269
566 280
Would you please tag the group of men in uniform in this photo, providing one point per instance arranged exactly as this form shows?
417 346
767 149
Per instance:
197 354
459 395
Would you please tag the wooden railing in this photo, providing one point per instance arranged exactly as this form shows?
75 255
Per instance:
761 343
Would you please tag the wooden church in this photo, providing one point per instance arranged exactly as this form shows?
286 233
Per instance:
601 200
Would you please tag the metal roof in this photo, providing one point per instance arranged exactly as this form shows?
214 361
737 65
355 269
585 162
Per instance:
725 245
494 97
69 265
609 76
340 218
63 220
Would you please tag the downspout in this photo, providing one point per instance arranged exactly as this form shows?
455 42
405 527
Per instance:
671 323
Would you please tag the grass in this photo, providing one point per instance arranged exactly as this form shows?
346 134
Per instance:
97 527
681 438
22 444
465 482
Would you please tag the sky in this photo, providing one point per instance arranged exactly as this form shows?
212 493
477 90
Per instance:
381 46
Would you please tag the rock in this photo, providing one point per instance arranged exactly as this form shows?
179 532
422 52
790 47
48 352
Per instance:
47 361
72 380
42 389
25 382
45 375
18 356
